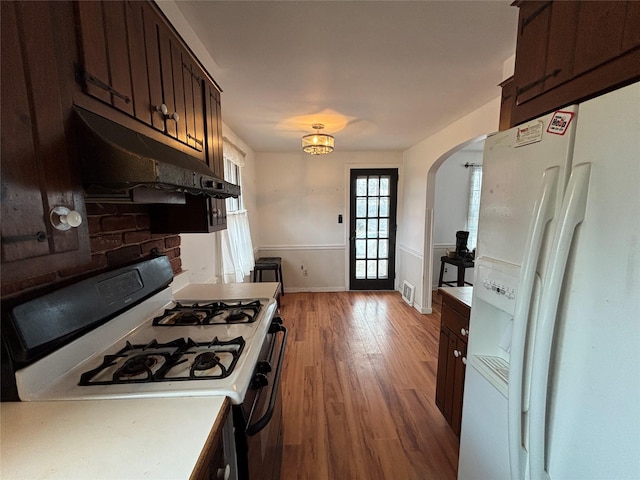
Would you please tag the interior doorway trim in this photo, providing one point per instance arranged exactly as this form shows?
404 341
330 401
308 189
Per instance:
427 261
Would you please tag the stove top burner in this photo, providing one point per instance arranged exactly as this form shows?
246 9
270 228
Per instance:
179 359
209 314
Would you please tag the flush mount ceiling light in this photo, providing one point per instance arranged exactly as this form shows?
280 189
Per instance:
317 143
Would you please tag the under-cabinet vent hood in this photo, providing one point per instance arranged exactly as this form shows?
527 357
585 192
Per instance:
121 165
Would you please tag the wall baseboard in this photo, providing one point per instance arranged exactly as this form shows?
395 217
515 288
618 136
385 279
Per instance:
315 289
302 247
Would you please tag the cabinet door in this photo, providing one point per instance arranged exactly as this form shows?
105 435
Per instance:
533 26
215 159
604 21
441 376
36 83
193 81
458 385
105 53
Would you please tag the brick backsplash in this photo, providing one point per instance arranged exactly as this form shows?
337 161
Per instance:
118 234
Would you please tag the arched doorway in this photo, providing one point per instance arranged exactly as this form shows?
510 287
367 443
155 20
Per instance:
428 265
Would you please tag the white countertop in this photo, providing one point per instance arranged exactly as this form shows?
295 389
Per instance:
462 294
106 439
220 291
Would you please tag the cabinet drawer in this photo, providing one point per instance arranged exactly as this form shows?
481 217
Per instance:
454 320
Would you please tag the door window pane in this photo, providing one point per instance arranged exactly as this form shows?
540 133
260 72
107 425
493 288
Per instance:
361 186
384 185
383 248
384 228
384 206
361 207
383 268
372 248
372 230
374 187
360 269
372 268
361 228
361 249
373 207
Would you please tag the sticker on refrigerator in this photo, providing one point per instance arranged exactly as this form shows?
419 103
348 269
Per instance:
560 122
528 134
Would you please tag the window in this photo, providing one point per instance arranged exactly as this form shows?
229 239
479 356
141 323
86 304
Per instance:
475 184
232 175
237 248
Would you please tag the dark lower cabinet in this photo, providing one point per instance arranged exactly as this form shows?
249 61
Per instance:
452 354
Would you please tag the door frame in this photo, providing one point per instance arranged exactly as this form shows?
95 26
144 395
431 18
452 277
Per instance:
347 216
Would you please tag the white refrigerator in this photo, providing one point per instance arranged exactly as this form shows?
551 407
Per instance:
552 387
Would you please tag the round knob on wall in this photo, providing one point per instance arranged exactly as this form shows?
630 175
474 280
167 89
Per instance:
162 109
464 360
464 332
456 353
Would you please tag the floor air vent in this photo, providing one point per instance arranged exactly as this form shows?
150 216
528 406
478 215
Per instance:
407 292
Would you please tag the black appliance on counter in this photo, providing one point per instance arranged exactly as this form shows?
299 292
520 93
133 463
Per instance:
149 345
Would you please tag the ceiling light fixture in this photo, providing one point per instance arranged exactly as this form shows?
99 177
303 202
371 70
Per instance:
317 143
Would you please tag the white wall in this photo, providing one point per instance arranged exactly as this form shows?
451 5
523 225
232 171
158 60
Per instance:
451 206
299 198
415 227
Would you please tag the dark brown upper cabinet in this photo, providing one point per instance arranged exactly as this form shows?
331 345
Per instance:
38 178
568 52
133 61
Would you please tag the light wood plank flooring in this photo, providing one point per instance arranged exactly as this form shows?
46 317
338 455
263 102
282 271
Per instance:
359 387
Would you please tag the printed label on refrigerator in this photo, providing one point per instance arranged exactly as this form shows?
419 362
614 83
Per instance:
560 122
529 134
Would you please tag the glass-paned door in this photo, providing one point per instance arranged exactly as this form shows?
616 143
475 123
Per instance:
372 240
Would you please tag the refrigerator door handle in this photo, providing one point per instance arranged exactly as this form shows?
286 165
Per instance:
571 215
543 213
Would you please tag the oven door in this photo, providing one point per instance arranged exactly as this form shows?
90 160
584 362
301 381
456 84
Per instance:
259 419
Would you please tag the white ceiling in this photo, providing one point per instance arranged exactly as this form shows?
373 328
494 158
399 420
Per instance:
381 75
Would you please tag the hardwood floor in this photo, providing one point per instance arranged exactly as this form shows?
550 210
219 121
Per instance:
359 387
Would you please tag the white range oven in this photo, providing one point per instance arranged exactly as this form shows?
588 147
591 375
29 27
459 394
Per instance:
121 334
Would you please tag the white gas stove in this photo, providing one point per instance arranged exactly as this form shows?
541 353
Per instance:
158 348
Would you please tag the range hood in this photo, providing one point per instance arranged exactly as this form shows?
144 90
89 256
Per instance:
121 165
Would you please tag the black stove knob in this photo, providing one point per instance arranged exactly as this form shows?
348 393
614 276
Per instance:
276 325
259 380
263 367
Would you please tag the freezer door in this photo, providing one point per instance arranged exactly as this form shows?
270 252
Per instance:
591 405
512 176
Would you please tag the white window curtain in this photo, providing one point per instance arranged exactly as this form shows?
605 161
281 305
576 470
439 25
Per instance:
237 248
475 183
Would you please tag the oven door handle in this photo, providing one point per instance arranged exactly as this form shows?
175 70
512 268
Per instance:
264 420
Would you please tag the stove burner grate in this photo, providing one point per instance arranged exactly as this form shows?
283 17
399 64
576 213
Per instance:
177 360
209 314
